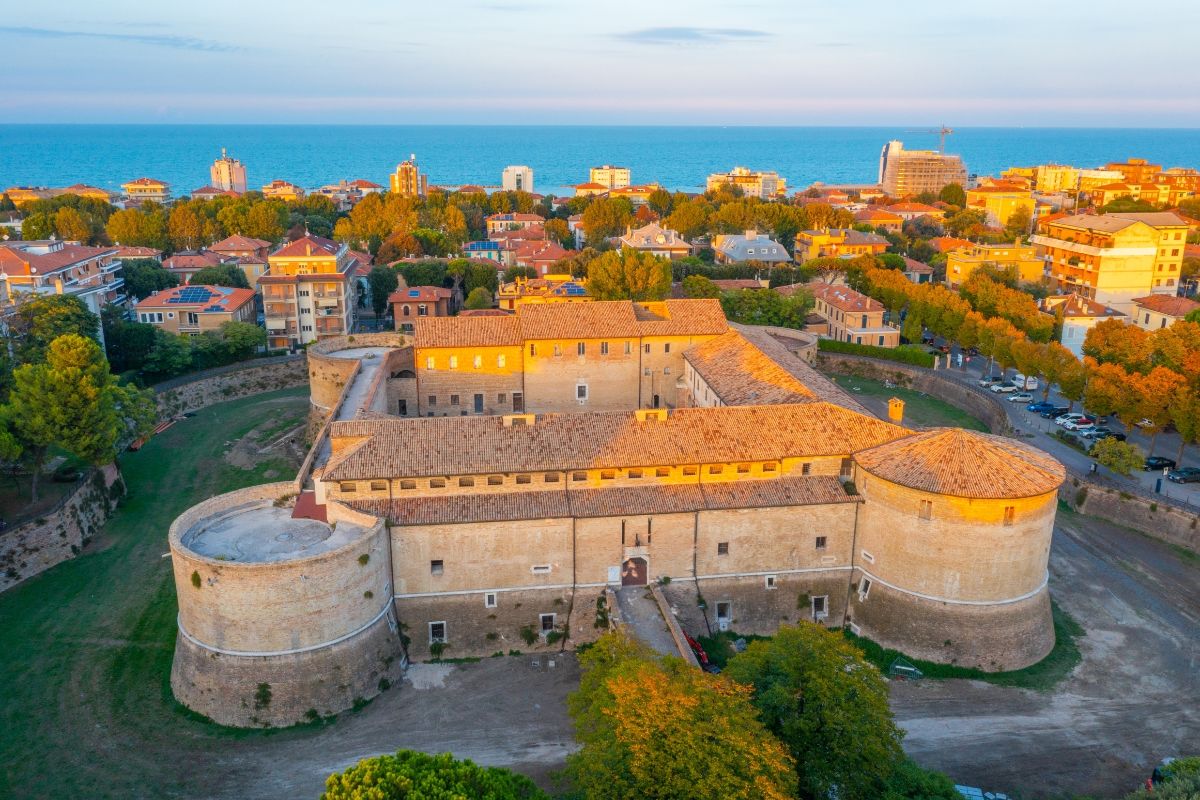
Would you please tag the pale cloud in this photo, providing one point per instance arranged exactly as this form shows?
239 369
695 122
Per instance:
155 40
687 35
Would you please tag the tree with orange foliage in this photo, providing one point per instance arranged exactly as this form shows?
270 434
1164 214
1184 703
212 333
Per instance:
661 729
1112 341
1184 410
1151 399
1109 389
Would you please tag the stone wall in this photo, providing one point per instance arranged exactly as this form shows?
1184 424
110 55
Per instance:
58 535
1157 519
192 392
981 404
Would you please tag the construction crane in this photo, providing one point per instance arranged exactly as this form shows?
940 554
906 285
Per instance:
942 134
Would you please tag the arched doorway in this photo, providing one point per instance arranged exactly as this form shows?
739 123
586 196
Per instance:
633 572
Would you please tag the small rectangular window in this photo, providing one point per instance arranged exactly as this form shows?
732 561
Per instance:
540 569
557 350
667 347
806 469
489 600
502 398
864 589
628 348
453 362
437 483
715 469
722 548
346 486
502 359
533 349
646 348
581 391
769 581
408 484
607 475
1009 514
466 481
847 467
578 476
433 400
689 470
551 477
429 362
437 632
453 399
870 559
634 473
820 606
524 478
743 469
495 480
926 509
821 543
604 348
581 349
436 567
378 486
477 362
546 622
662 472
768 467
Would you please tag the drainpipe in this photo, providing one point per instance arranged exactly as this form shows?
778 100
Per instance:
853 559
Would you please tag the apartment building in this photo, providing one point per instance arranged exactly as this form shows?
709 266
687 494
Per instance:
903 173
749 246
609 177
517 178
852 316
92 274
408 181
1000 202
283 190
1077 315
310 291
1114 258
193 310
228 174
764 185
962 262
144 190
837 243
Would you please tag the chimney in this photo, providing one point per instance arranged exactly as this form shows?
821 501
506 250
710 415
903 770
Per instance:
896 410
751 235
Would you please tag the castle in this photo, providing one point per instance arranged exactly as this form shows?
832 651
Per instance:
477 487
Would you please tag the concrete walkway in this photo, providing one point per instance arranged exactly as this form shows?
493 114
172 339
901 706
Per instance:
370 359
641 614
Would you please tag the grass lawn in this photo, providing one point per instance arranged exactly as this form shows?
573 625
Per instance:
87 709
920 410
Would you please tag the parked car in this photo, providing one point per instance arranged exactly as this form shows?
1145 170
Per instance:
1004 388
1145 423
1158 462
1079 425
992 381
1100 432
1054 412
1019 397
1029 382
1184 475
1063 419
1039 407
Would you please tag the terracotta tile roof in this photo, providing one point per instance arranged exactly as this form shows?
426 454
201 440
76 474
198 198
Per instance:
912 265
362 183
1074 306
130 251
529 233
516 217
220 299
964 463
144 182
467 332
624 500
944 244
418 293
590 185
741 374
877 215
483 312
192 261
239 242
462 508
578 320
1108 223
911 207
801 491
308 246
68 255
443 446
844 298
776 348
1167 304
1155 219
682 318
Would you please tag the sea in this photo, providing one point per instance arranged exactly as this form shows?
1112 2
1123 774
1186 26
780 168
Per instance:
678 158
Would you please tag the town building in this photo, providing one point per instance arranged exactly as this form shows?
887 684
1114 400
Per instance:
910 210
412 303
346 194
904 173
186 263
1161 310
852 316
408 181
591 188
310 291
283 190
837 243
143 190
962 262
207 193
609 176
22 195
247 252
513 221
92 274
131 252
540 256
193 310
917 271
880 218
1077 315
656 240
944 244
228 174
764 185
637 195
1113 258
552 288
517 179
749 246
1135 170
1001 202
489 249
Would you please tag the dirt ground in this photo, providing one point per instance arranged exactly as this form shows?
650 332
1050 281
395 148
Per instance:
498 712
1134 699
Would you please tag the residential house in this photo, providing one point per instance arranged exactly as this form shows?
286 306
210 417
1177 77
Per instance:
837 243
880 218
917 271
590 188
637 195
310 291
1161 310
249 253
144 190
656 240
130 252
540 256
196 309
207 193
283 190
944 244
410 303
497 251
186 263
512 221
1078 315
910 211
749 246
852 316
962 262
1000 201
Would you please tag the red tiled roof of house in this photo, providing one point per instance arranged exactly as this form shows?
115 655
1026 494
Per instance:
944 244
130 251
877 215
17 261
308 245
962 463
192 261
239 242
590 185
418 293
844 298
361 183
220 299
145 182
483 312
894 207
1169 305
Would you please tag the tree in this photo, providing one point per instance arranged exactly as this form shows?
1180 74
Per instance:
185 228
38 226
697 286
829 706
145 276
221 275
409 775
558 231
1151 395
1121 457
170 355
1018 223
479 297
1183 407
605 218
31 411
71 226
139 227
912 782
382 281
127 344
660 201
968 222
429 272
689 219
953 194
662 729
1111 341
265 220
241 340
767 307
41 319
629 275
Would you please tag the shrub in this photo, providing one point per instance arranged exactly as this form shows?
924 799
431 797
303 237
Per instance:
409 774
904 354
196 579
262 696
364 558
529 635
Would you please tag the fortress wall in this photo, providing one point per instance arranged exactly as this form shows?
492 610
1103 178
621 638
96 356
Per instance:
201 389
755 608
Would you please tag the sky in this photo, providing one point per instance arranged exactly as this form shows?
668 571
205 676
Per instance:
760 62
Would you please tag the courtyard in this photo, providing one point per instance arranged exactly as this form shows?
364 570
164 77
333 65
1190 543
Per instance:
87 710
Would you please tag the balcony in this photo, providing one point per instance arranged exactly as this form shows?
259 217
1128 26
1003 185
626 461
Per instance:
277 309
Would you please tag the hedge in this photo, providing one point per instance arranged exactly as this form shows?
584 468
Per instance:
905 353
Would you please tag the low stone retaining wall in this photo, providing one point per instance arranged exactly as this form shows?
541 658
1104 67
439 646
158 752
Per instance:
1156 518
978 403
201 389
58 535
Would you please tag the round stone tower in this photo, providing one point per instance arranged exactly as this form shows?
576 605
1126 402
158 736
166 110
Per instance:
282 616
952 548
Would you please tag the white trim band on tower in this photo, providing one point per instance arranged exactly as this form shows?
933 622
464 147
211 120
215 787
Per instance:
267 653
1026 596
